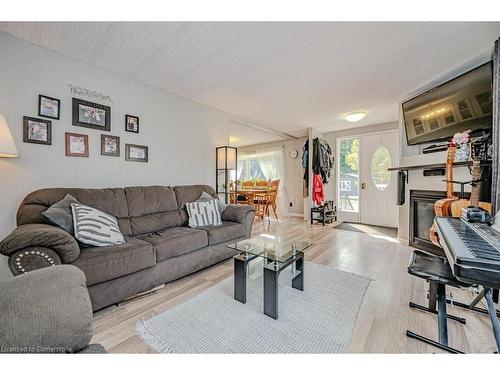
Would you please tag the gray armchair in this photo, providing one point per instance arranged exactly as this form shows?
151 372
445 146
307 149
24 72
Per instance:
46 311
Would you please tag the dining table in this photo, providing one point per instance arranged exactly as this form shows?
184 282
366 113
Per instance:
250 193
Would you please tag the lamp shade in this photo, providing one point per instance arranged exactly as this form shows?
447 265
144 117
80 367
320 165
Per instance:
226 157
7 146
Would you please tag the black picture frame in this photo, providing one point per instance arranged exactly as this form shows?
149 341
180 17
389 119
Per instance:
127 127
128 157
43 113
29 137
103 145
77 119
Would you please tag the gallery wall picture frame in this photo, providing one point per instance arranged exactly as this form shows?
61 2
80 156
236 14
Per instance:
132 123
77 145
110 145
91 115
36 130
49 107
136 153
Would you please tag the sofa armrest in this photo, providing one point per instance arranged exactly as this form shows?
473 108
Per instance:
33 237
47 310
240 213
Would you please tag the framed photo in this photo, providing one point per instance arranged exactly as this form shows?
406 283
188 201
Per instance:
136 153
91 115
49 107
110 145
36 130
77 145
132 123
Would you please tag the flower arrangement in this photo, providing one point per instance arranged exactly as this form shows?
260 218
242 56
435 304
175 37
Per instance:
461 138
461 142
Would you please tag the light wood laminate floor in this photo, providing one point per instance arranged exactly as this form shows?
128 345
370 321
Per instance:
384 315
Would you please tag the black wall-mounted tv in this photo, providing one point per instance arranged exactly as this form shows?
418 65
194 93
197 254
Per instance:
464 102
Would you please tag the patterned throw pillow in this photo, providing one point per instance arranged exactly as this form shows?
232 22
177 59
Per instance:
203 213
94 227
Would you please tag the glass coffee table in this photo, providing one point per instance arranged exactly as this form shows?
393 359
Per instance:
277 254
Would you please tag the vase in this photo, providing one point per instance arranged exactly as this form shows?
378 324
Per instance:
463 152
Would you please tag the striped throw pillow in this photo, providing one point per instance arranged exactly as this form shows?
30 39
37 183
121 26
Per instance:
94 227
203 213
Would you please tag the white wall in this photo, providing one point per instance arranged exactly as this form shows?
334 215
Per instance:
294 173
181 135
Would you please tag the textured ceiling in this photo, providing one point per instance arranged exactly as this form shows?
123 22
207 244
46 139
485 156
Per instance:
284 76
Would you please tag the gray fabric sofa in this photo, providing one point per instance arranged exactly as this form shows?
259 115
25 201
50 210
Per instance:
159 247
46 311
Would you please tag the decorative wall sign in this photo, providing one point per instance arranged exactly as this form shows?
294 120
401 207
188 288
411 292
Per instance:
91 115
49 107
110 145
132 123
91 94
36 130
136 153
77 145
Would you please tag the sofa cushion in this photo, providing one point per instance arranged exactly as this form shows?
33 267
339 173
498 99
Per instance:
225 232
152 208
173 242
111 201
109 262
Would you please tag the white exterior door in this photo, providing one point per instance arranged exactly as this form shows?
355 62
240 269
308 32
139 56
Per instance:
378 187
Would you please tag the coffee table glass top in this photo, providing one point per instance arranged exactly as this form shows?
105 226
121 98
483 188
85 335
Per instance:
273 248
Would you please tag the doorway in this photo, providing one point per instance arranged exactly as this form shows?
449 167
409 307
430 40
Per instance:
366 190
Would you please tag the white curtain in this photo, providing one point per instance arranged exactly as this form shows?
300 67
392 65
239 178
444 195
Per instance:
272 163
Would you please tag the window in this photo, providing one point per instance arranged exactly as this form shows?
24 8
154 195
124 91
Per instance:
448 117
463 107
419 126
434 124
381 161
261 165
485 102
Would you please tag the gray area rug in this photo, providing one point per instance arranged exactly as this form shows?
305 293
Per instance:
319 320
368 229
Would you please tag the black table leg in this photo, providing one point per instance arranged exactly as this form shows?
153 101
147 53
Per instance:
493 316
298 280
271 276
240 278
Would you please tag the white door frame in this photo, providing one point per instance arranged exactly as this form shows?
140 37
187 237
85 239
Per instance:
355 218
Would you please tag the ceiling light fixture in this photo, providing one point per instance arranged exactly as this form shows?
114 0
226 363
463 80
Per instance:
355 116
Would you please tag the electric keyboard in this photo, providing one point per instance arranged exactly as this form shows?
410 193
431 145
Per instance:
472 250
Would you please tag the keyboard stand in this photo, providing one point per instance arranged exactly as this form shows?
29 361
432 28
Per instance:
493 317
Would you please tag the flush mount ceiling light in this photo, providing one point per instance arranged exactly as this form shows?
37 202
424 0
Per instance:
355 116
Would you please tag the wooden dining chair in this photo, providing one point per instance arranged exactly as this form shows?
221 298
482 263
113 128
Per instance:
273 196
232 193
262 184
261 203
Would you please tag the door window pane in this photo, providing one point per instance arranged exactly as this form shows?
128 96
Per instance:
381 161
348 182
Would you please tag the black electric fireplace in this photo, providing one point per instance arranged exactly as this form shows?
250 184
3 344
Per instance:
421 218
